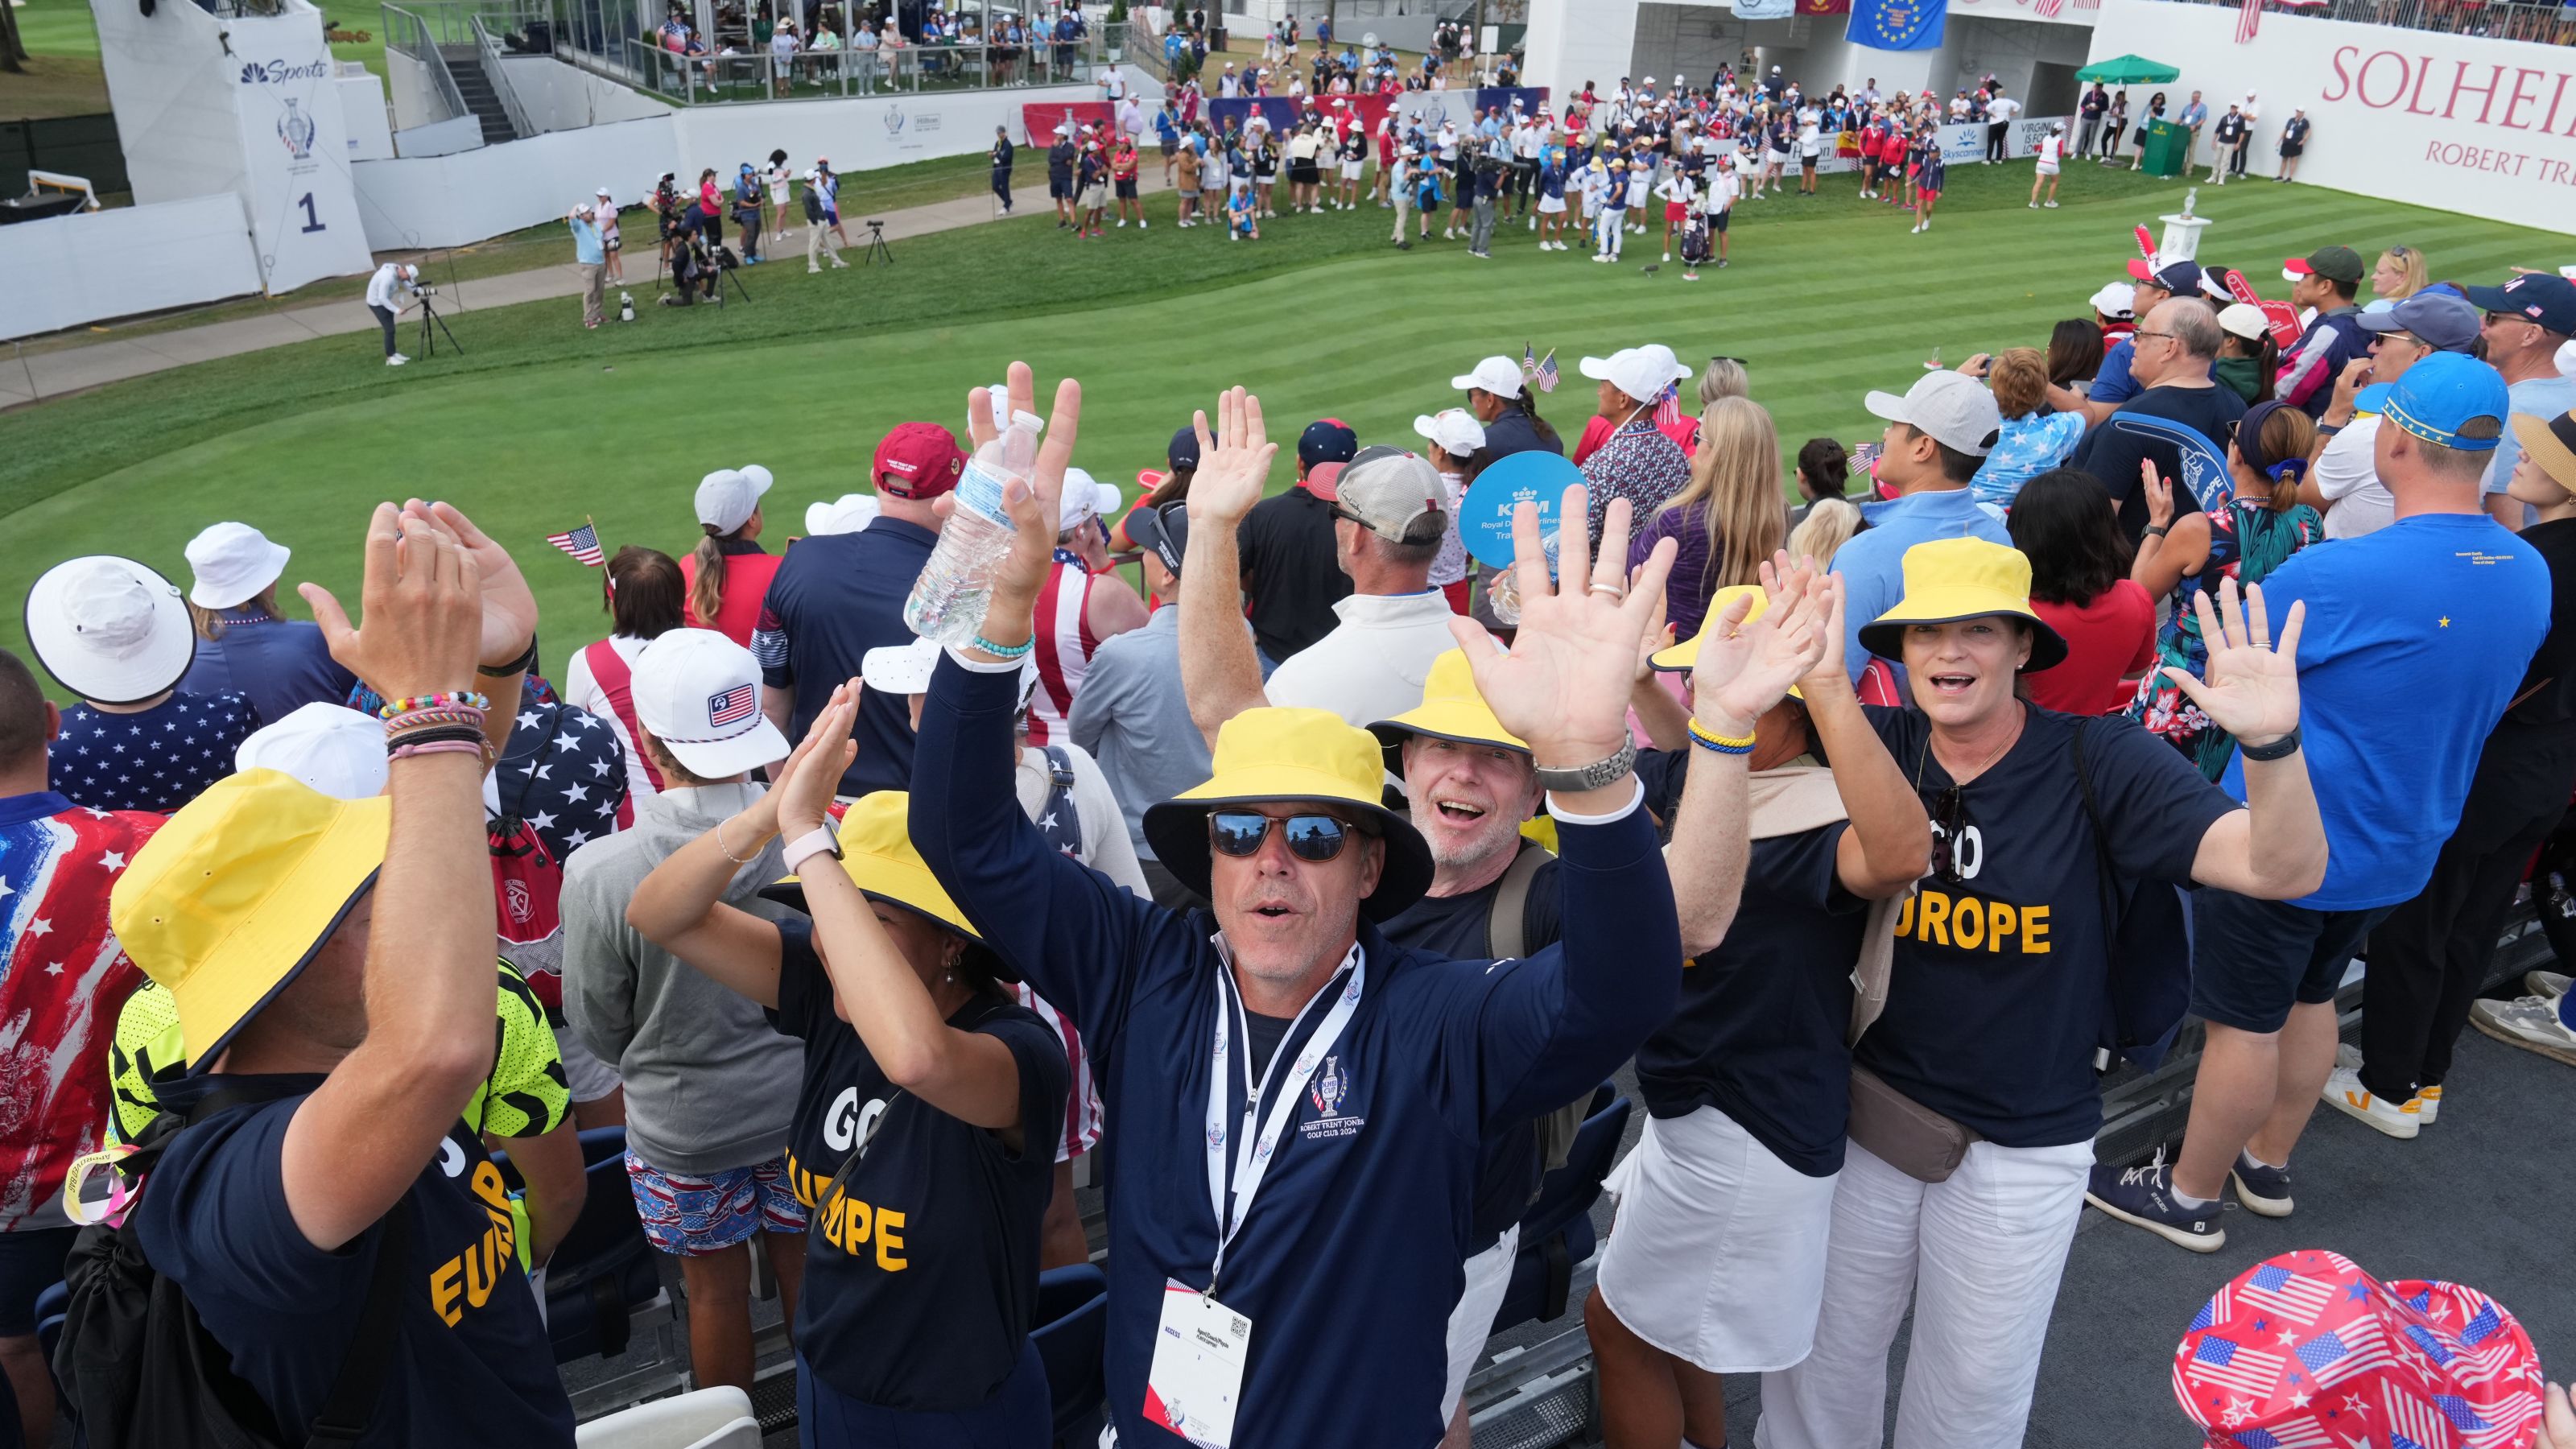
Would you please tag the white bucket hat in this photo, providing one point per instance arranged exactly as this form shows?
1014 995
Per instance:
109 629
698 692
846 514
232 563
1641 372
330 747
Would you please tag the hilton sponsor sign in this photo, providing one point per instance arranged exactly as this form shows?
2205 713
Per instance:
2479 126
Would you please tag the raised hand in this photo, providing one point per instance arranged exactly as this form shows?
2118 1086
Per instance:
1034 508
1744 668
2251 688
2159 490
1826 678
509 607
423 600
812 774
1234 465
1563 686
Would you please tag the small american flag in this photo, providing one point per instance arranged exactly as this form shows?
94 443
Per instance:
2334 1357
2223 1363
1668 408
582 543
1538 370
2303 1434
2296 1298
733 706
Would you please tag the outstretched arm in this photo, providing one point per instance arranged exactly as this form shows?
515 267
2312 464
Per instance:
2274 848
1889 845
1066 929
1219 671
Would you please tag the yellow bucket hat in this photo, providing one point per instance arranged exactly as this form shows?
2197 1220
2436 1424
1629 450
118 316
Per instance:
1686 654
235 893
877 851
1284 755
1452 708
1950 579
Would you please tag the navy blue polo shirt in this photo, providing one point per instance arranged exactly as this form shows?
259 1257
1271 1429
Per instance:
471 1363
835 597
279 665
1348 1262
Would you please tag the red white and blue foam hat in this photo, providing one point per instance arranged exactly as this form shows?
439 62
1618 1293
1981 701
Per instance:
2307 1351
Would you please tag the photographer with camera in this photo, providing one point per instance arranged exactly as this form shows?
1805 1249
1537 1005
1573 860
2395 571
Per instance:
390 293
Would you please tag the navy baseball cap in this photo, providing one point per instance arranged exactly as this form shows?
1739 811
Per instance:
2541 297
2445 398
2444 323
1184 450
1165 530
1328 441
2180 278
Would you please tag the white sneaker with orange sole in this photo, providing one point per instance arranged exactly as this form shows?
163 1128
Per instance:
2345 1093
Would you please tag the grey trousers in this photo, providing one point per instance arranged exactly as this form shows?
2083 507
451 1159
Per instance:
1480 234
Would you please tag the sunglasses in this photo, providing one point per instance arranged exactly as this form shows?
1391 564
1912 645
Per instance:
1311 838
1950 816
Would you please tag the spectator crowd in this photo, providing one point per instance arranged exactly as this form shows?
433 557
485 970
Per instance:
1303 897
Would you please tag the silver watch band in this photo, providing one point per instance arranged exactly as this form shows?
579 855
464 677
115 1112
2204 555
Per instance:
1592 776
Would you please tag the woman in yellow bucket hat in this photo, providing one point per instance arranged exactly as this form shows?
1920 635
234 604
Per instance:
1974 1099
1718 1263
925 1125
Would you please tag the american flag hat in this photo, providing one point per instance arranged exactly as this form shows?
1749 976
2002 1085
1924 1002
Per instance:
698 692
2307 1351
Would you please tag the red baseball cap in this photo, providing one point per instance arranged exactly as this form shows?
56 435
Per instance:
918 460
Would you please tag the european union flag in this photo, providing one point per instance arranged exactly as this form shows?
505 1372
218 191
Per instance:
1897 24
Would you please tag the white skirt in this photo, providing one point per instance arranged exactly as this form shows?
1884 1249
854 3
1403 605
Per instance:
1551 205
1718 1255
2047 168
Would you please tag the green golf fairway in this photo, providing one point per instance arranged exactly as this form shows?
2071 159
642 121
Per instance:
540 425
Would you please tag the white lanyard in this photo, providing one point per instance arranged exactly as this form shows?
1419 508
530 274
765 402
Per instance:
1253 1153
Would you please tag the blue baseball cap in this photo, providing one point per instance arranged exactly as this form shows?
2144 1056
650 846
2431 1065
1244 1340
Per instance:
2444 394
2541 297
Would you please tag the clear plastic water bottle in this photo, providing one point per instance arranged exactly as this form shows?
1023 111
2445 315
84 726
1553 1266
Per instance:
955 588
1505 590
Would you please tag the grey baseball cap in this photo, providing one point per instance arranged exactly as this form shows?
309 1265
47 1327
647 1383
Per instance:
2446 323
1394 494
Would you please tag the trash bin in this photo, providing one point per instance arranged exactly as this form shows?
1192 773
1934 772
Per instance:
2167 150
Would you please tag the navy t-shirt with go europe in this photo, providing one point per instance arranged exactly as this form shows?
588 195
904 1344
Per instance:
921 1275
471 1363
1996 995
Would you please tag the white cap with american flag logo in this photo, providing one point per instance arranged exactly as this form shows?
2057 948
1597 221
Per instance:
698 692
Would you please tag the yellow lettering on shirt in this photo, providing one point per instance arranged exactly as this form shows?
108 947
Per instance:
1972 923
478 1272
889 1241
444 1291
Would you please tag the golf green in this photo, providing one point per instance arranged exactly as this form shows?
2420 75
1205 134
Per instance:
540 426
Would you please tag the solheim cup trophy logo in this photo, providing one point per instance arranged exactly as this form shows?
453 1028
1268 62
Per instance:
295 129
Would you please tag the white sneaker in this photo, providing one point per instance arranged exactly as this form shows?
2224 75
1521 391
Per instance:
1142 223
2428 1104
2529 1022
1122 223
1533 223
2345 1093
2051 205
2034 206
396 360
1668 256
2545 983
1918 228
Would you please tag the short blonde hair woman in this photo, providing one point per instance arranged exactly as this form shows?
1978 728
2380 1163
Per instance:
1827 527
2400 274
1727 519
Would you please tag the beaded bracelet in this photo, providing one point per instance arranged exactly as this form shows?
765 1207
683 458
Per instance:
458 699
1720 743
1003 651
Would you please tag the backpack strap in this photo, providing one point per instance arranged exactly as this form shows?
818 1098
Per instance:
2102 870
1507 925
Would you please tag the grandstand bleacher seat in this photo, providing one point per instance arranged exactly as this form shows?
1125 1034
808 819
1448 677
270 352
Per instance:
1072 1326
1556 1232
603 1270
717 1418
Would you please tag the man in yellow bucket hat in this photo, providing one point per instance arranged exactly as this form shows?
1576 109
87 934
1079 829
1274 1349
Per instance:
1298 1104
331 962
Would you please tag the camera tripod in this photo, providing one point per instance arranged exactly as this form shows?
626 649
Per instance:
877 245
429 343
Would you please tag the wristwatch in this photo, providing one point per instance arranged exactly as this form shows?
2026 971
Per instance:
1592 776
821 840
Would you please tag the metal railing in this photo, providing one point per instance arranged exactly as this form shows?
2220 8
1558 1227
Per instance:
409 35
2494 20
821 74
497 76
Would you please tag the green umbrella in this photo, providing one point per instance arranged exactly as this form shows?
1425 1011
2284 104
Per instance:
2129 70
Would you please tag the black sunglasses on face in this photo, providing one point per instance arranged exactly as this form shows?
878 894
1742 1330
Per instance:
1314 838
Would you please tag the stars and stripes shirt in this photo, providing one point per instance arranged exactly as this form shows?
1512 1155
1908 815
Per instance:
1638 463
62 979
155 760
